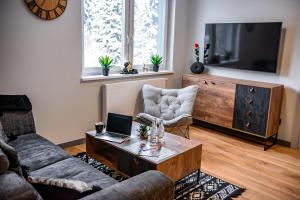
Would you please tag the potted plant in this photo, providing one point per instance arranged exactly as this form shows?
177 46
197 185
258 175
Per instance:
105 62
143 130
197 67
156 61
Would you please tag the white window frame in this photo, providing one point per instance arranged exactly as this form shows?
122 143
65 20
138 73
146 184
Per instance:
128 38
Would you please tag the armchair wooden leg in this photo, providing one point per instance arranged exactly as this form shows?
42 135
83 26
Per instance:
183 131
187 132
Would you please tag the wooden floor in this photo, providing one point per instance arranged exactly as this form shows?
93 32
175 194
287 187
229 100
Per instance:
271 174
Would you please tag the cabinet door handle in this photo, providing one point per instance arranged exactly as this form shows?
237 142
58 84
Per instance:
250 101
135 161
251 89
249 113
248 124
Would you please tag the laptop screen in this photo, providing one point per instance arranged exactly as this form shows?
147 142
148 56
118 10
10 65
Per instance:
119 123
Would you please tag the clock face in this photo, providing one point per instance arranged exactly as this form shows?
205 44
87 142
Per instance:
47 9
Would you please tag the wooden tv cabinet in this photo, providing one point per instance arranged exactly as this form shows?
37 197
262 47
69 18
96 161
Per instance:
249 107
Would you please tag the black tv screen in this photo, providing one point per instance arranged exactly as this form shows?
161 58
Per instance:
249 46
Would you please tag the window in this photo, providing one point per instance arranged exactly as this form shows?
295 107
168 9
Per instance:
123 29
148 30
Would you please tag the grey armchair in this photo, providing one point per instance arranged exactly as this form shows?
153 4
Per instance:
173 106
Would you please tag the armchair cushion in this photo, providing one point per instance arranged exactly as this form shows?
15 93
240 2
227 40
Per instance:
182 120
168 104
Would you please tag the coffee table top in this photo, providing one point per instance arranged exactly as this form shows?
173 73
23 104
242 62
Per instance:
173 142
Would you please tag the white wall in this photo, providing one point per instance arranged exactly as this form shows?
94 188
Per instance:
287 11
43 60
179 39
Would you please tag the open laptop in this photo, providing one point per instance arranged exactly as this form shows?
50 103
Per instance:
118 128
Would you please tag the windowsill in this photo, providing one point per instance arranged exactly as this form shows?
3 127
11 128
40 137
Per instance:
124 76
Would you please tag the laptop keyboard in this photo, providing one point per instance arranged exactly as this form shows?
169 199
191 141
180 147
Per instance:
116 135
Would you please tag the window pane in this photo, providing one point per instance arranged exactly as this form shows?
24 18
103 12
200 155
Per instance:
102 30
148 30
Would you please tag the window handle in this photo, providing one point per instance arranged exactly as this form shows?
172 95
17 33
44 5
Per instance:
129 39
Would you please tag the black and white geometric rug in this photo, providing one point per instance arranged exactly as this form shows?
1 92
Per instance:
209 187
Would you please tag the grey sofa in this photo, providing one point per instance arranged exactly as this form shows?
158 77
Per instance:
26 156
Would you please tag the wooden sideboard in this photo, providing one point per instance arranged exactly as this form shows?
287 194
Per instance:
247 106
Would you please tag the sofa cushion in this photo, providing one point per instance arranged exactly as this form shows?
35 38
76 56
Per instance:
75 169
14 103
4 162
17 123
36 152
12 186
3 136
77 185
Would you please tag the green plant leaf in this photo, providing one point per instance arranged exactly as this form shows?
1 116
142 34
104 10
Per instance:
156 59
105 61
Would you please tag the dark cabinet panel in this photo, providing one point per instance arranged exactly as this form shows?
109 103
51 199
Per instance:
251 109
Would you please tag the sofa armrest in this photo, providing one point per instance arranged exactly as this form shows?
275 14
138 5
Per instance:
12 186
151 185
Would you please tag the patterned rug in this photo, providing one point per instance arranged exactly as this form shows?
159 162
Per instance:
208 187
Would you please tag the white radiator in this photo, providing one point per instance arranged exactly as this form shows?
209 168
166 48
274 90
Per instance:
126 97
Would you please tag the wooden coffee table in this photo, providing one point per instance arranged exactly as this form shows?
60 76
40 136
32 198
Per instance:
187 157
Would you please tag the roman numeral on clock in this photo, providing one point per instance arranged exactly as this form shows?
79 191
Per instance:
48 15
39 12
56 13
62 7
31 4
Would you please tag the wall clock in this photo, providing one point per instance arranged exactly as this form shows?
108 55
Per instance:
47 9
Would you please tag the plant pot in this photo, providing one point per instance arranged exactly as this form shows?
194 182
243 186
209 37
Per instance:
155 68
144 136
105 71
197 67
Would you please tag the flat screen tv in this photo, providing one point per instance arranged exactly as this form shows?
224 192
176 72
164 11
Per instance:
249 46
